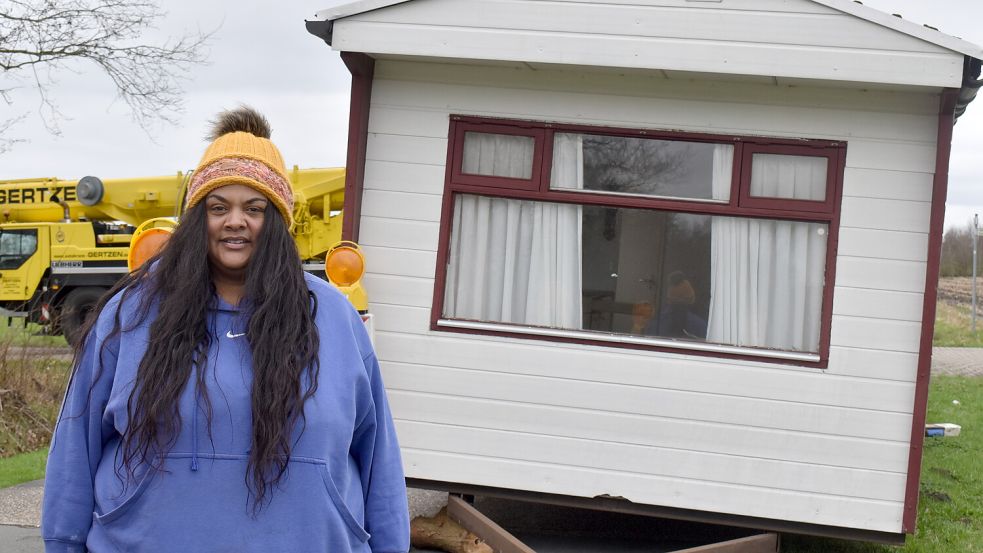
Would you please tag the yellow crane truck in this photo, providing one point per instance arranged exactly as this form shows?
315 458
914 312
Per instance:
65 243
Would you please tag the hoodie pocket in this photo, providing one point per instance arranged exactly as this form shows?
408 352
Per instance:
340 505
176 509
127 503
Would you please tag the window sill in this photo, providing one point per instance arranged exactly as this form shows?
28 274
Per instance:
592 192
622 339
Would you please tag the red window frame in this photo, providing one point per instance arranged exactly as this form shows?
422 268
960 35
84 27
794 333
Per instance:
459 176
740 204
784 204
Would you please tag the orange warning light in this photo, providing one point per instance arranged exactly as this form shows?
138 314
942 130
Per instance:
344 264
147 242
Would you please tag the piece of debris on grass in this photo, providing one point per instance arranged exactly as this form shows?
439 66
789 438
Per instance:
943 429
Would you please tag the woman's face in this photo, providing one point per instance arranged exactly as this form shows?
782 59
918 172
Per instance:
235 214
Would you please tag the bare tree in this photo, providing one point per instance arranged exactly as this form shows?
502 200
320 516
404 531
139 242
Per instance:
633 165
957 251
39 38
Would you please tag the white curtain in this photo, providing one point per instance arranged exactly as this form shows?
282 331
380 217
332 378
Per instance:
766 279
516 261
498 155
785 176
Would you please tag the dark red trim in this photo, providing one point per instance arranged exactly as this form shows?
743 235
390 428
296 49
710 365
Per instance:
736 180
457 161
819 206
940 184
542 166
444 237
821 364
639 202
546 171
362 68
832 246
740 203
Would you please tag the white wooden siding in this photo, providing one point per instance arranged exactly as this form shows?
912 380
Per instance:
746 437
736 413
790 38
880 274
748 471
653 489
809 449
897 185
882 244
878 304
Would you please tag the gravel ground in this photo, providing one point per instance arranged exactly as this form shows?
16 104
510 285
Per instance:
21 505
958 361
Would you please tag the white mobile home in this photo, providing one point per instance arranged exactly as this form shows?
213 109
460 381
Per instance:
666 256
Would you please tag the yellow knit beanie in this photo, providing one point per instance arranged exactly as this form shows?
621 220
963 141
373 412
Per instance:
241 153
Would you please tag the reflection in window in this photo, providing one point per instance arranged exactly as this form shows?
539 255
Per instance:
728 280
17 246
649 272
643 166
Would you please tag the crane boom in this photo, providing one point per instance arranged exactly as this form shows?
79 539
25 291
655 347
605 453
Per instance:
131 201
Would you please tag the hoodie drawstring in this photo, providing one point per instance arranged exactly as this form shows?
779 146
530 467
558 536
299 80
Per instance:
194 432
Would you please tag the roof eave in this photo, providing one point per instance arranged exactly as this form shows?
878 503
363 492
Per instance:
323 29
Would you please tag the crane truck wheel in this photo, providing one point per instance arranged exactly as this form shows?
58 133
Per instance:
76 308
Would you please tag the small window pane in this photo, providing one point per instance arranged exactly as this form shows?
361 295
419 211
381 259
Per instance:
498 155
792 177
642 166
16 247
726 280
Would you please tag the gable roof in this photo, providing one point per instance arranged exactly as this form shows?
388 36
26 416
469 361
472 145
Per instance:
924 32
851 7
354 8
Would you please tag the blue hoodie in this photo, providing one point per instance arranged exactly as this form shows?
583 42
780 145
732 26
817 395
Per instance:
343 490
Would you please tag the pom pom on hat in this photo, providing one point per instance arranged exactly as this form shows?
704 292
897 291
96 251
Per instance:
244 119
241 153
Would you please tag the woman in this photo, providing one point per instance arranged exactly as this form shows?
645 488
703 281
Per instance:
224 400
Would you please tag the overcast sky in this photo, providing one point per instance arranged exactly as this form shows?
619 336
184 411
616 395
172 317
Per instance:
261 55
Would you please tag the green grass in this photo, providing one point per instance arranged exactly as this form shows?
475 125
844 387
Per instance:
950 509
17 334
953 326
22 468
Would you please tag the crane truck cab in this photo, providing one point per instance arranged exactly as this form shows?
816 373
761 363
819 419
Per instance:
63 244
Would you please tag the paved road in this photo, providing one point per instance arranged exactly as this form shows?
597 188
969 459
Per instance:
960 361
61 353
20 511
18 539
20 506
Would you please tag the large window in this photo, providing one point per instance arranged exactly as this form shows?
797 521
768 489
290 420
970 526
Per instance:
715 244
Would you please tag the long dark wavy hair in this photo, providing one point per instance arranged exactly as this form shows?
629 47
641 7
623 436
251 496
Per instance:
281 333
